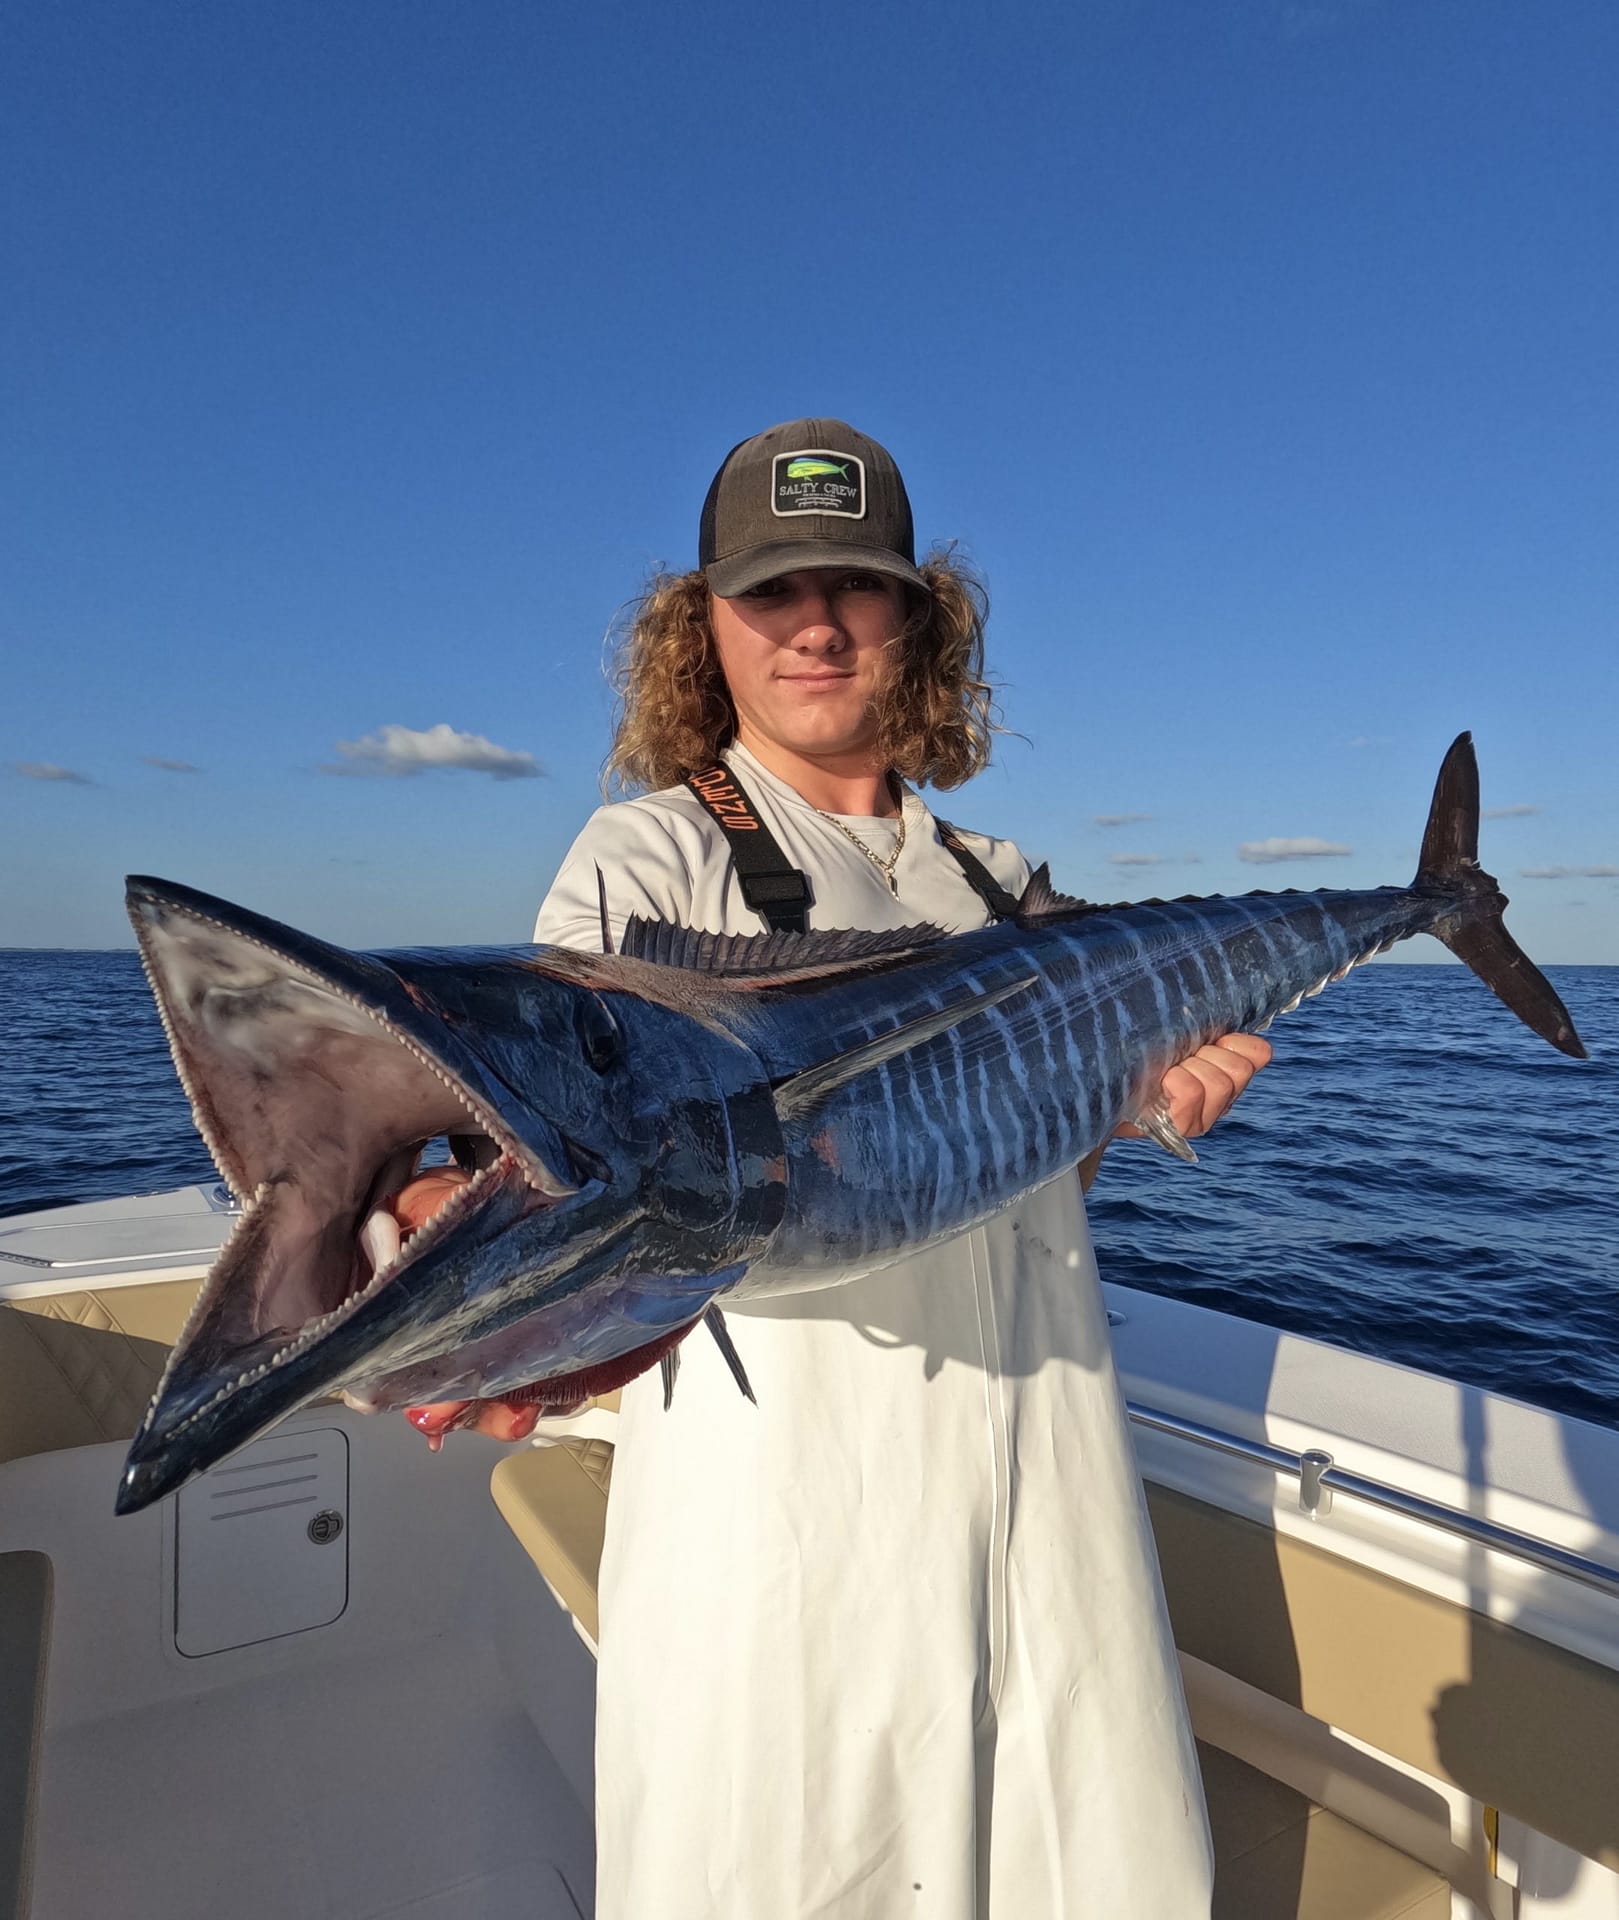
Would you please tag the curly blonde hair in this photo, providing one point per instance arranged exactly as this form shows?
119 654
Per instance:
935 720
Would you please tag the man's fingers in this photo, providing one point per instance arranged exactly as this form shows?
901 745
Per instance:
1220 1064
1203 1086
1248 1046
416 1203
1198 1092
502 1421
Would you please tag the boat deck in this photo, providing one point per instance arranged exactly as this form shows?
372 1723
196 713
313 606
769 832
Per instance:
383 1763
1400 1719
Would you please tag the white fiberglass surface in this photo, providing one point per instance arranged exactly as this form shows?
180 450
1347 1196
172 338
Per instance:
405 1785
156 1236
383 1764
1479 1455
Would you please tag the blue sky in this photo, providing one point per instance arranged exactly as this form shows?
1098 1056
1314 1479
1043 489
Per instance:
360 361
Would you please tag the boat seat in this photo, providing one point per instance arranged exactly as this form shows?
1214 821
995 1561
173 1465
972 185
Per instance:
1278 1856
25 1611
1514 1721
554 1499
81 1368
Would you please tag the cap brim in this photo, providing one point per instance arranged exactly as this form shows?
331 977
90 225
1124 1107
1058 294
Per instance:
740 571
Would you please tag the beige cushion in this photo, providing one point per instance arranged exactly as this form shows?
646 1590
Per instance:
1278 1857
81 1368
555 1500
1515 1722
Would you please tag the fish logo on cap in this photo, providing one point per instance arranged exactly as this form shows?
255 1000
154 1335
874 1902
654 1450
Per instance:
818 480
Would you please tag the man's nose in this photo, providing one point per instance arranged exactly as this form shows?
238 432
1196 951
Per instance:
819 628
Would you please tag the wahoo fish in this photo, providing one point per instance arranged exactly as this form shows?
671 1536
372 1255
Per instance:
694 1119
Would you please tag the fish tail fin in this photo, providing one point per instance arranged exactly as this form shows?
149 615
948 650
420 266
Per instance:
1475 931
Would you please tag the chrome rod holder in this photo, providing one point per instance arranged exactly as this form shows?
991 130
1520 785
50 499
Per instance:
1315 1499
1331 1478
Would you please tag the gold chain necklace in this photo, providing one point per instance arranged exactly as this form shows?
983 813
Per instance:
884 867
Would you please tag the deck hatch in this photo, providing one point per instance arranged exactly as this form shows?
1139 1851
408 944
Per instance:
280 1565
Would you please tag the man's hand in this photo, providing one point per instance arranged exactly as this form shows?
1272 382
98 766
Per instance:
1199 1090
413 1207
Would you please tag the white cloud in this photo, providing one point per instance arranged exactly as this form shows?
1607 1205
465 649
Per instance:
405 751
43 770
1569 873
169 766
1507 813
1120 819
1262 853
1137 859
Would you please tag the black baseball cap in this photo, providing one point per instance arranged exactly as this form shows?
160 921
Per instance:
809 493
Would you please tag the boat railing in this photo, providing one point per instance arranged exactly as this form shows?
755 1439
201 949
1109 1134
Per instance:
1320 1477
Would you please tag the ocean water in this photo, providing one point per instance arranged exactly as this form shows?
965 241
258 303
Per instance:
1416 1176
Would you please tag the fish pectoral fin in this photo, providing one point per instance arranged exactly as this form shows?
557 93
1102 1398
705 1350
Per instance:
795 1097
669 1365
714 1320
1154 1121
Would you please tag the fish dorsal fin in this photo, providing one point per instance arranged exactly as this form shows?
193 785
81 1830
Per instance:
761 955
796 1096
1041 901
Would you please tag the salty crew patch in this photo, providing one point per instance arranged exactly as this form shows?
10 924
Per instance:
818 480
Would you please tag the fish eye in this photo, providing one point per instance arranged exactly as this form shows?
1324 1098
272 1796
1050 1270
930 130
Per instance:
600 1038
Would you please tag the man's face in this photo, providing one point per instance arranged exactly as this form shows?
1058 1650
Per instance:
805 656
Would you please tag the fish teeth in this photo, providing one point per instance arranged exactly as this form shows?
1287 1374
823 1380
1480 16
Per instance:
380 1238
229 1173
312 1330
232 1176
383 1241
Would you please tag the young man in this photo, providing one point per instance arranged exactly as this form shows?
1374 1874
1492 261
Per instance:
890 1641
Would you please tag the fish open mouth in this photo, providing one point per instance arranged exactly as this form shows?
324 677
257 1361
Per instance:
317 1107
318 1078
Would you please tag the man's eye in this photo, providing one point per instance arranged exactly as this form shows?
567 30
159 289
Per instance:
865 583
766 590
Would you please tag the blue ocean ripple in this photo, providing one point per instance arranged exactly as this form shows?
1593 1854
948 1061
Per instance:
1464 1217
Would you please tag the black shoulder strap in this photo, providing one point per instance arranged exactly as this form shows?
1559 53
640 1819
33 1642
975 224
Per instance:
979 878
778 891
775 889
